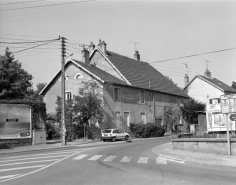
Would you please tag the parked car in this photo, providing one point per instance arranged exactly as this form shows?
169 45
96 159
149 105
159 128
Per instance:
114 134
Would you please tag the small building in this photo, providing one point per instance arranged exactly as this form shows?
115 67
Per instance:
133 91
204 87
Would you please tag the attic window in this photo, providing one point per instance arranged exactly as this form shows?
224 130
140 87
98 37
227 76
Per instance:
78 75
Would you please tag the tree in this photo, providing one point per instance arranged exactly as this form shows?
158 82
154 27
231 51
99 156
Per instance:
233 85
190 109
34 94
15 82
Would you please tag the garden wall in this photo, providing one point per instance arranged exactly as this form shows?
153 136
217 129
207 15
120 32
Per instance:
206 145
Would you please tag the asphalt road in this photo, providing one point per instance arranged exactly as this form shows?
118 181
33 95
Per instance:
105 164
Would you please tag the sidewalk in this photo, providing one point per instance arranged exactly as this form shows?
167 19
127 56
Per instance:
196 158
49 145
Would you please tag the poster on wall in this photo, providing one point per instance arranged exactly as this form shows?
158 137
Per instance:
217 122
15 121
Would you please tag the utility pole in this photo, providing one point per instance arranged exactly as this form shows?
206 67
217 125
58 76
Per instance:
63 52
187 71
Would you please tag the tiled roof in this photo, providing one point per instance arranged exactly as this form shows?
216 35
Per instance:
103 75
143 75
218 83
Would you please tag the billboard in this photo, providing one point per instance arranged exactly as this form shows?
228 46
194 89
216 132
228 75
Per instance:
15 121
216 121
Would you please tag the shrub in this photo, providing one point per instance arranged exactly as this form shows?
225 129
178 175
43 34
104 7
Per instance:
146 131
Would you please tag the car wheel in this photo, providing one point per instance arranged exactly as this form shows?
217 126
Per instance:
104 140
126 137
113 139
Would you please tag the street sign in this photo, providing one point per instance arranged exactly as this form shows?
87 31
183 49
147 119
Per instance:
232 117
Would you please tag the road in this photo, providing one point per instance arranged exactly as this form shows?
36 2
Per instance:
107 163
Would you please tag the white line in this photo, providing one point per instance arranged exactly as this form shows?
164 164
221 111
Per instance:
110 158
173 160
143 160
34 155
126 159
52 164
94 158
29 162
20 168
33 158
161 161
8 176
80 157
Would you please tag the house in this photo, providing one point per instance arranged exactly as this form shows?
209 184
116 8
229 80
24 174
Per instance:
203 87
133 91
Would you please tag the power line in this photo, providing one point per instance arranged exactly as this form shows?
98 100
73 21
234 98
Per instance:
45 5
22 35
75 13
195 55
26 42
36 46
21 2
36 53
16 39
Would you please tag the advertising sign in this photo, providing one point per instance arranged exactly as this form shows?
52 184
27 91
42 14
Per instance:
130 97
15 121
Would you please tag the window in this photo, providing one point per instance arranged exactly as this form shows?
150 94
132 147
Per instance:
142 97
117 94
68 95
143 118
78 75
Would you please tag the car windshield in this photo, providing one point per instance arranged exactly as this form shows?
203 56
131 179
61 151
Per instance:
107 131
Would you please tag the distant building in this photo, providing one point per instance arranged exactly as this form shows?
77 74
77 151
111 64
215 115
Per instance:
133 91
203 87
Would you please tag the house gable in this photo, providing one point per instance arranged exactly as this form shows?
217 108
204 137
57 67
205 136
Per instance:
199 89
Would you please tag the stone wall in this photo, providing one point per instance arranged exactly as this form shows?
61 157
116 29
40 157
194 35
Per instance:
206 145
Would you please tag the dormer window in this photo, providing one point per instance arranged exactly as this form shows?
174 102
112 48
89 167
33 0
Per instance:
78 75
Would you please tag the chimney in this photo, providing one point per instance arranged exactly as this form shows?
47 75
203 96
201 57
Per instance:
103 46
186 80
85 56
137 56
91 47
207 73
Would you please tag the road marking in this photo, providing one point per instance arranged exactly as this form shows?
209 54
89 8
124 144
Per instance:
172 159
143 160
8 176
126 159
33 158
160 161
34 155
29 162
94 158
80 157
20 168
110 158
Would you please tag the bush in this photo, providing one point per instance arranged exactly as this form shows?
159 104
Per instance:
146 131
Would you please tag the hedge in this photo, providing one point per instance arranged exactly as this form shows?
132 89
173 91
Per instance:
146 131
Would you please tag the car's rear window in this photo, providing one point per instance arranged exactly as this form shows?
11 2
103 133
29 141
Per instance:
107 131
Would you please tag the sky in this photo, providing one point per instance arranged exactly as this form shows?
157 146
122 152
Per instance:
167 33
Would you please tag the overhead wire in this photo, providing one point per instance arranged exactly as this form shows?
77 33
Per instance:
40 6
28 42
21 2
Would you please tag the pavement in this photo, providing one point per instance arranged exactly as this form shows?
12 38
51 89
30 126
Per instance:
166 152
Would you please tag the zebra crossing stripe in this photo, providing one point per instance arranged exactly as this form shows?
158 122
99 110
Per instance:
94 158
110 158
143 160
160 161
126 159
20 168
80 157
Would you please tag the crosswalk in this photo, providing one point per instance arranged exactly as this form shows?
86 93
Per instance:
21 165
126 159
